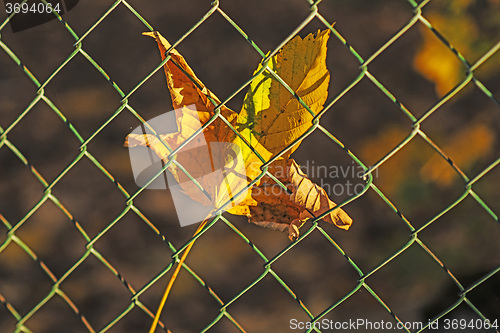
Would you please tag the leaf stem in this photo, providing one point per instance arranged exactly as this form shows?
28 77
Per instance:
173 278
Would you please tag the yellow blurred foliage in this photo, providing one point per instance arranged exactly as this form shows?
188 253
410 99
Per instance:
374 149
472 28
437 62
464 148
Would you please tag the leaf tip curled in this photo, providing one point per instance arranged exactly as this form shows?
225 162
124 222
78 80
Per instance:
130 141
341 219
162 42
293 229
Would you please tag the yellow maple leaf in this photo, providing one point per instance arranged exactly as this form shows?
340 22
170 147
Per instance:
270 120
273 116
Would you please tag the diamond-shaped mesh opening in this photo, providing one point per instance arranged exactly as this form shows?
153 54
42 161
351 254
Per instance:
471 148
388 66
365 23
15 206
85 15
384 232
84 290
41 58
190 299
16 91
50 224
415 265
126 30
267 296
41 320
316 272
355 318
484 187
442 236
413 102
84 178
237 272
89 102
353 120
402 180
280 17
123 250
21 292
52 148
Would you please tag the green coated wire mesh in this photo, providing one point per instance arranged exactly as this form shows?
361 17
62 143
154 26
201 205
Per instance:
275 290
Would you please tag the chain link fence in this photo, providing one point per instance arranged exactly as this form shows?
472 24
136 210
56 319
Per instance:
84 250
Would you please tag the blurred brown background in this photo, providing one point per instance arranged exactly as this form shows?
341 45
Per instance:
417 69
